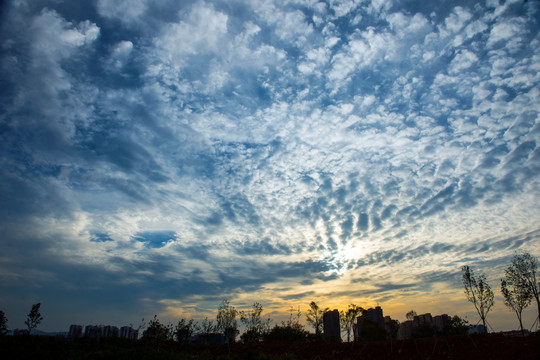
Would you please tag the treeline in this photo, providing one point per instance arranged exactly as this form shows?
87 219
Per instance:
256 327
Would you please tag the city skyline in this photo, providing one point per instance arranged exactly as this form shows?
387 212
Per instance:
160 156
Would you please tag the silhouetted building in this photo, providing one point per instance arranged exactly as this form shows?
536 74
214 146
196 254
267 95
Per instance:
423 320
75 331
370 326
440 322
406 329
92 331
391 326
374 315
422 325
127 332
331 324
109 331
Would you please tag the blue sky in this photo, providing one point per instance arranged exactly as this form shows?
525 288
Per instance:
159 156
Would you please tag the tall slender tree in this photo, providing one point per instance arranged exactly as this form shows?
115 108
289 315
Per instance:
348 318
516 298
478 292
34 318
522 272
226 320
314 316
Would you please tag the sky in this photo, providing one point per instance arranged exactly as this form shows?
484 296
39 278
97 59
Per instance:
157 157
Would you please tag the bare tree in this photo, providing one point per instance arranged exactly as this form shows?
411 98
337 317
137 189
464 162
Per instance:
33 318
522 272
478 292
348 319
516 298
314 316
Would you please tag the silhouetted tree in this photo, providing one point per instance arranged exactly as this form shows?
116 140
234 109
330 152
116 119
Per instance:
314 316
255 325
226 320
157 332
478 292
522 273
456 326
34 318
291 330
348 319
207 327
516 297
410 315
3 323
183 330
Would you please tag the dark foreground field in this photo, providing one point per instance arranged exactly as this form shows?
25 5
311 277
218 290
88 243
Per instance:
490 346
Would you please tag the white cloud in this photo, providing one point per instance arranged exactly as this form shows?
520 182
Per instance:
120 54
202 31
503 31
127 11
457 19
462 61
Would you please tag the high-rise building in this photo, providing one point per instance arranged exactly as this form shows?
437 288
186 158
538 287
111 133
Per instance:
406 330
127 332
440 322
374 315
75 331
92 331
109 331
423 320
331 326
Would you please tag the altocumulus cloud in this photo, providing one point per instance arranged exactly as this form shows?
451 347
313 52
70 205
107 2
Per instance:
159 156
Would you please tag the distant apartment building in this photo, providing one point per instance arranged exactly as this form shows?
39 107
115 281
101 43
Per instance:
127 332
391 326
75 331
440 322
423 320
373 325
109 331
375 315
331 328
92 331
407 329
